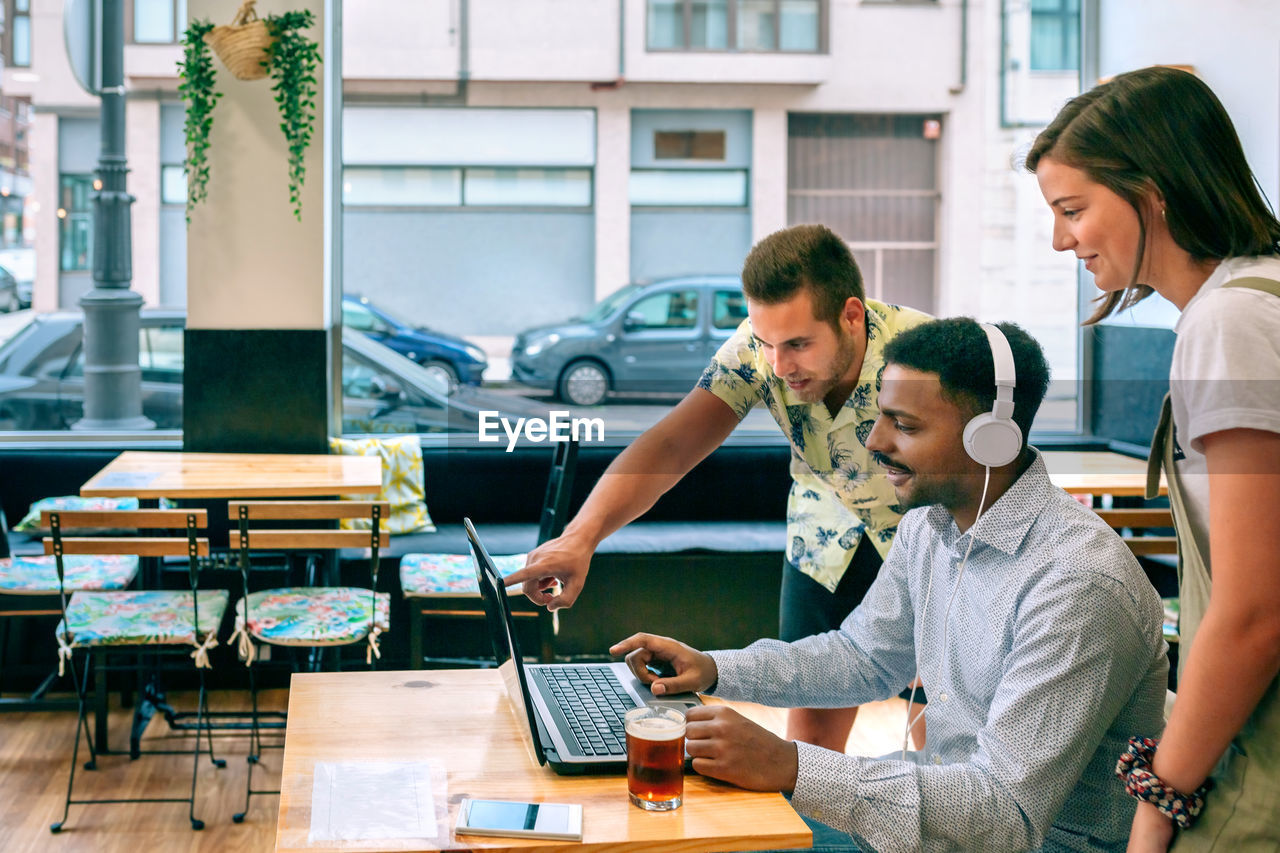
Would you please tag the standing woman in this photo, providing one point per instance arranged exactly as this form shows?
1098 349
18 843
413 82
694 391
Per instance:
1149 186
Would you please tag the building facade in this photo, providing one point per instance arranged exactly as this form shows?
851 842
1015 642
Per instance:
506 164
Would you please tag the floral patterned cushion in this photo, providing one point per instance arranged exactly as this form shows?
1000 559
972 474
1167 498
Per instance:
39 575
401 482
30 523
142 618
448 574
1171 613
312 616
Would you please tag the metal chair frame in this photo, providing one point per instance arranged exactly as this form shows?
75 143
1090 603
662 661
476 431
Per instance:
190 545
314 540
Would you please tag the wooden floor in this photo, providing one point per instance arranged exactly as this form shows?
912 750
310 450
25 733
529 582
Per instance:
35 757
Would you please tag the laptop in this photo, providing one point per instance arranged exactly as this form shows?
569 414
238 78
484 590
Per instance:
571 714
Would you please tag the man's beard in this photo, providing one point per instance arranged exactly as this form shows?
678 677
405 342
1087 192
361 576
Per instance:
818 388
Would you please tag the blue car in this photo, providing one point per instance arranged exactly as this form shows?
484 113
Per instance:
451 359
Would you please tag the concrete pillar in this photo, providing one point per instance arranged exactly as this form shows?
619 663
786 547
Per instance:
768 172
142 148
259 328
612 199
43 150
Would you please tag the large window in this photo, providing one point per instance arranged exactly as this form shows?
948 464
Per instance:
433 186
736 25
173 184
689 188
75 222
158 21
1055 35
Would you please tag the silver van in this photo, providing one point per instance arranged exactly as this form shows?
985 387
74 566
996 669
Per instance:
644 337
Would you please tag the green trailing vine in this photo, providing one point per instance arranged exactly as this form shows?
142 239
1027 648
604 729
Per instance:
291 62
197 78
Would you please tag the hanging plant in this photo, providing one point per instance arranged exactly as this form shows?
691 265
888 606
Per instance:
197 77
250 48
291 61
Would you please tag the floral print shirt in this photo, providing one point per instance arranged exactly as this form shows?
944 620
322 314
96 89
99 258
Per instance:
838 493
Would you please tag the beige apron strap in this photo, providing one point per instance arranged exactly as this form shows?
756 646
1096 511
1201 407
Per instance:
1156 457
1254 282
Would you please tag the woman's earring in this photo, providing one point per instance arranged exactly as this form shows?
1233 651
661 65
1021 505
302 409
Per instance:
1162 212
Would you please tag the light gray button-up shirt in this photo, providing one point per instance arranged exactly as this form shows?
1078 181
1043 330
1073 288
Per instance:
1053 658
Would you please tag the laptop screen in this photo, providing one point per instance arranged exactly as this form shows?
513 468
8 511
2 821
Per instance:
502 634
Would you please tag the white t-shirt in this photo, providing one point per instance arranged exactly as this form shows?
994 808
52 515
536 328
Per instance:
1225 373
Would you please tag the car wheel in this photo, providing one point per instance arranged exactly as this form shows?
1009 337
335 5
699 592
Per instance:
12 303
443 372
584 383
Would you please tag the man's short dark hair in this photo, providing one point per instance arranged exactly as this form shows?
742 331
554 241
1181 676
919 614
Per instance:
811 256
957 350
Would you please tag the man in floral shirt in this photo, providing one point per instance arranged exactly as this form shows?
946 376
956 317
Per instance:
811 351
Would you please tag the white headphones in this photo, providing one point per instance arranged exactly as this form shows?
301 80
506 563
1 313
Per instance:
992 438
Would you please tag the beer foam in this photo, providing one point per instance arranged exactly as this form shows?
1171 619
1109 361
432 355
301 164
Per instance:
656 728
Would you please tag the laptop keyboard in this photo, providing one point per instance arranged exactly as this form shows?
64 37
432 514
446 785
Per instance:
594 705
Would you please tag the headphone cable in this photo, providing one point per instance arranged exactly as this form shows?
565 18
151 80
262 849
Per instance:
946 616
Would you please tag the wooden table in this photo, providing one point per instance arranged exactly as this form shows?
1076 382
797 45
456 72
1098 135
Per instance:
462 719
1098 472
148 474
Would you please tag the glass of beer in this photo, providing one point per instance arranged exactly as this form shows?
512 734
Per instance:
655 758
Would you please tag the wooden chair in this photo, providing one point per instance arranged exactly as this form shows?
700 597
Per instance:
314 617
29 589
443 586
1134 525
105 622
1143 531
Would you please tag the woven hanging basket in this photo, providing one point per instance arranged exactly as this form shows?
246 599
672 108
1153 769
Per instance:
242 45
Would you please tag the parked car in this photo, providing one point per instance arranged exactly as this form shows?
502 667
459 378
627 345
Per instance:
453 359
42 381
644 337
11 293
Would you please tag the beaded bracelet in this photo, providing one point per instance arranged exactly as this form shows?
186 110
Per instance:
1134 767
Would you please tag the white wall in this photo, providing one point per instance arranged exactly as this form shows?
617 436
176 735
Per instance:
250 264
400 39
142 149
612 205
43 147
544 39
1234 46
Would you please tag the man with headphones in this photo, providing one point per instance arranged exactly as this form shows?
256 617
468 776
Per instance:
1032 627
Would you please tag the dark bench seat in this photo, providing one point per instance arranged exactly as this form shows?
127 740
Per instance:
640 537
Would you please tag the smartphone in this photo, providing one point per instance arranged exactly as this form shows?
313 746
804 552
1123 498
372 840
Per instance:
562 821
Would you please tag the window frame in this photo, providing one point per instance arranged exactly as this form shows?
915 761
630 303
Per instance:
732 45
462 204
1065 60
700 205
64 222
179 9
11 15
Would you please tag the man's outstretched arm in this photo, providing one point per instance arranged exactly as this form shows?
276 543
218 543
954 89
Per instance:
632 483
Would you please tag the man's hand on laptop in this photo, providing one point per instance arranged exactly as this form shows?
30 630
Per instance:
555 572
667 666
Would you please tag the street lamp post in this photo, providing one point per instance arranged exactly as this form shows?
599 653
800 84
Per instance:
112 378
